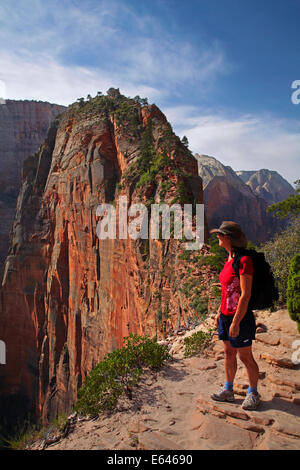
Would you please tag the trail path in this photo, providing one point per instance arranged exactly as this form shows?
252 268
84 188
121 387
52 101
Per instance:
172 409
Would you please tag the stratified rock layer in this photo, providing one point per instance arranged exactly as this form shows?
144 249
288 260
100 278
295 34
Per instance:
172 409
23 127
267 184
67 297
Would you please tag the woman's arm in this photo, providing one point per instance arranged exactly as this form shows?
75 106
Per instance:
217 319
246 285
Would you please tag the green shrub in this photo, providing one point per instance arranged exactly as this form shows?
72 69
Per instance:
118 372
279 251
145 179
217 291
185 255
181 194
24 434
165 186
293 290
60 422
289 207
196 343
158 162
217 261
27 433
200 306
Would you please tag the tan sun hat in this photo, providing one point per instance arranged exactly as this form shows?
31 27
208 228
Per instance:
233 231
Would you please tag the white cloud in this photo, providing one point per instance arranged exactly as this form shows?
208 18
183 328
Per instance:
97 45
47 80
248 142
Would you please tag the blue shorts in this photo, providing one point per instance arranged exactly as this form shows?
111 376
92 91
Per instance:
246 334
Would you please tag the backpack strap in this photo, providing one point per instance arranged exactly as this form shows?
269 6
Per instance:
237 258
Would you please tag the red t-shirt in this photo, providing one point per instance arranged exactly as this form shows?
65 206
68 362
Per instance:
230 283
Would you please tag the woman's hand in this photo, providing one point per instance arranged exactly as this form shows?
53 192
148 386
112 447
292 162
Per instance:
217 319
234 330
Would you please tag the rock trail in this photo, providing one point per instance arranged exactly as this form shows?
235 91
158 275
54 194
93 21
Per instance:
172 409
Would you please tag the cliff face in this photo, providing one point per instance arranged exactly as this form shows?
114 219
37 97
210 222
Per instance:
267 184
68 297
23 127
227 197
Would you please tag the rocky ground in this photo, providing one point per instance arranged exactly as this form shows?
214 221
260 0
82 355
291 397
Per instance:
172 409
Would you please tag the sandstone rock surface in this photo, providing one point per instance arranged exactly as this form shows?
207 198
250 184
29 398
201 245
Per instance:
267 184
228 197
198 422
67 297
23 127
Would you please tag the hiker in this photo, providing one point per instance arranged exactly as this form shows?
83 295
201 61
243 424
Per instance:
235 320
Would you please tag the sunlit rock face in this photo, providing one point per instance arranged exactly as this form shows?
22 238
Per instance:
228 197
267 184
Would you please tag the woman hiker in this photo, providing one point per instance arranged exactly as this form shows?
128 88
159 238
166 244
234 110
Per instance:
235 321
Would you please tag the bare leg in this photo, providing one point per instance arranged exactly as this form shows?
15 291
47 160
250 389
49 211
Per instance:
246 356
230 361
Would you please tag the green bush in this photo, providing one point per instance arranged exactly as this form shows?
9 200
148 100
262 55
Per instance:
217 291
119 372
27 433
217 261
200 306
196 343
290 207
145 179
279 251
293 290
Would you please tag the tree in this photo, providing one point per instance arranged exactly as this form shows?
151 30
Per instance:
185 141
141 101
290 207
293 290
113 93
144 102
280 250
89 97
81 101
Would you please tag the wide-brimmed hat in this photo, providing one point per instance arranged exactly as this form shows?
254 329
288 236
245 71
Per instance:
233 231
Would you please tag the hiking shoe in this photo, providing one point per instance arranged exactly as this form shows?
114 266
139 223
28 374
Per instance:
223 395
251 401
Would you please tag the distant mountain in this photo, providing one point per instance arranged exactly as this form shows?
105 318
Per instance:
267 184
228 197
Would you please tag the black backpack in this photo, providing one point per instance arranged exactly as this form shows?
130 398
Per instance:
264 291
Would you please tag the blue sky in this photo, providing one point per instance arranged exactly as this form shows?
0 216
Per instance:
221 70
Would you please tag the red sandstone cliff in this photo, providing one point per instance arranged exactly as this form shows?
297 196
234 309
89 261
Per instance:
23 127
67 297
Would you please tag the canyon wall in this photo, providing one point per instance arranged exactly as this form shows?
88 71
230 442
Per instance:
67 297
23 127
267 184
228 197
